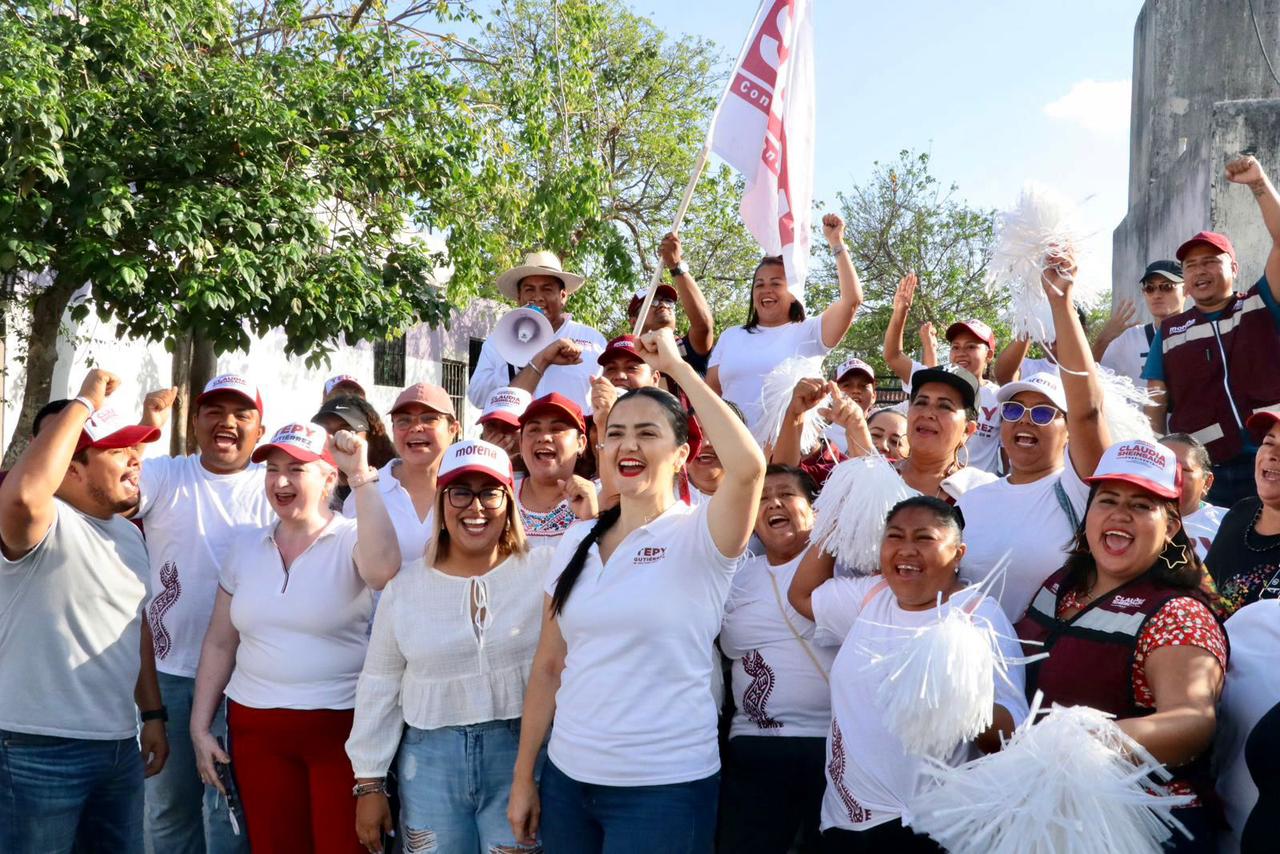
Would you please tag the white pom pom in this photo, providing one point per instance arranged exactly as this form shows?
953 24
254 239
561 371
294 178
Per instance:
1040 223
852 507
1123 407
937 688
775 397
1073 782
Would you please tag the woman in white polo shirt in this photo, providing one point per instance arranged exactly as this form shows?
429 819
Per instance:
773 778
286 642
447 666
626 657
870 775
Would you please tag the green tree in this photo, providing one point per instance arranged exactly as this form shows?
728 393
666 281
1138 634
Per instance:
902 219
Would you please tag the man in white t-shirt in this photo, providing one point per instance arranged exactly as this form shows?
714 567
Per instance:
75 653
191 509
1122 346
541 283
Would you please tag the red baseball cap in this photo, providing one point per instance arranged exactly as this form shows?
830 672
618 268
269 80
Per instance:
505 406
977 329
306 443
1260 423
664 292
107 428
623 345
1207 238
431 396
232 384
1154 468
555 402
470 456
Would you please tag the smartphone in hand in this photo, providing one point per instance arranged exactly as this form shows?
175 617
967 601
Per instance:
235 810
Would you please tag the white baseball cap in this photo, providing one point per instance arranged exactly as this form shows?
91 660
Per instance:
341 379
234 384
853 363
471 456
505 406
109 428
1047 384
304 442
1153 467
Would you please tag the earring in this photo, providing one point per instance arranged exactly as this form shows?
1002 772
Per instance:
1182 560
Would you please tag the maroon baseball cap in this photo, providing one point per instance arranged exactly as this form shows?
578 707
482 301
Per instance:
555 403
664 292
431 396
977 329
1260 423
107 428
623 345
1207 238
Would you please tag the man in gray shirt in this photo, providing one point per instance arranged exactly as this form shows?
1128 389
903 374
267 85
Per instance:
75 653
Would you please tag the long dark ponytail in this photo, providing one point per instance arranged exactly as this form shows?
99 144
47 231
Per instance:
569 577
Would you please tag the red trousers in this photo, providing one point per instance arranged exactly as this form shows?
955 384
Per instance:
295 779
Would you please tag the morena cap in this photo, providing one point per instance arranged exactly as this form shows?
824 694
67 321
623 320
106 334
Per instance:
1050 385
977 329
1166 269
473 456
306 443
234 384
853 363
431 396
1207 238
664 292
953 375
107 428
555 402
352 416
341 379
1152 467
505 406
623 345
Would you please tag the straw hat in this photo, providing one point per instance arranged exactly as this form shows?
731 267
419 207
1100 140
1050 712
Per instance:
540 263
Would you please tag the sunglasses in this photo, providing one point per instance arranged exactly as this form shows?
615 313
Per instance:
1165 287
1042 415
460 497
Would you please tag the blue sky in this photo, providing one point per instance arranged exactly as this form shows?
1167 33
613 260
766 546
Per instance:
1000 92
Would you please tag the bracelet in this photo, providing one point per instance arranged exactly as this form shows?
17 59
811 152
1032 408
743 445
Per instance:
371 787
678 270
840 250
88 404
160 714
369 475
536 369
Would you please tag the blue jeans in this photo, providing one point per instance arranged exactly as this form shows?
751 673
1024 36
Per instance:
184 816
454 784
584 818
60 793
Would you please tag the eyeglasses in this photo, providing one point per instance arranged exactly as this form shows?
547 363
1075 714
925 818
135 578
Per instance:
1042 415
460 497
404 421
1165 287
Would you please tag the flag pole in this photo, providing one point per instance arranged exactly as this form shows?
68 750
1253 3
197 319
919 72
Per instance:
698 166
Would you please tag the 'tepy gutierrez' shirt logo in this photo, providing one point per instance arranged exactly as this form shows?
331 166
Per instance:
649 554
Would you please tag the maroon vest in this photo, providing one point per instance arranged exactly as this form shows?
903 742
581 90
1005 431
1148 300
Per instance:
1218 373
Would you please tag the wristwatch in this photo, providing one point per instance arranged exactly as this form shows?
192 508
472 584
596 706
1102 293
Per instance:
678 270
160 714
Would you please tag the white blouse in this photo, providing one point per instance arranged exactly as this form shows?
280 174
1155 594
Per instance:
434 660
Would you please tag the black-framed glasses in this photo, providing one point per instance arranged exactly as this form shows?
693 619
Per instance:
460 497
1165 287
1042 414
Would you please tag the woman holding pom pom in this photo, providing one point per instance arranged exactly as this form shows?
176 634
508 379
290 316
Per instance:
871 772
1128 631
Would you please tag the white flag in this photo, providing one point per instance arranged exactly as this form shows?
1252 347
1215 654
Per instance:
764 129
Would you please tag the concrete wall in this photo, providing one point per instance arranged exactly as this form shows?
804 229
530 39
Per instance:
1201 95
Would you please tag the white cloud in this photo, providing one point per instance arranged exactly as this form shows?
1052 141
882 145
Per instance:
1098 106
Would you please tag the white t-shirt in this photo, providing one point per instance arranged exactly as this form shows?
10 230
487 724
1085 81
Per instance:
1023 529
983 446
190 515
304 630
412 533
635 705
870 776
544 529
71 630
1127 354
573 381
1032 366
1202 526
1252 689
744 358
777 687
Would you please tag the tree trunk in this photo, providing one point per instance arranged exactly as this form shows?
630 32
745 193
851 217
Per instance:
203 363
179 378
41 340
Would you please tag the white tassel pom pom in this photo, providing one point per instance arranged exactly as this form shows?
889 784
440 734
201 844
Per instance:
937 687
1123 406
851 511
775 396
1072 782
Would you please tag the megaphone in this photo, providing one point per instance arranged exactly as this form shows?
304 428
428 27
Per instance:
521 334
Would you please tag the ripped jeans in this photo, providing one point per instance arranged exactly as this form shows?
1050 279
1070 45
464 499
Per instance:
454 783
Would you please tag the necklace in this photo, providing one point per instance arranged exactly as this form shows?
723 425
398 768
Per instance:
1253 525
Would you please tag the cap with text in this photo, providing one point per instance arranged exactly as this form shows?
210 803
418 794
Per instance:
555 404
232 384
1151 467
1050 385
474 457
1207 238
433 397
623 345
108 428
505 406
977 329
665 292
852 364
342 379
306 443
